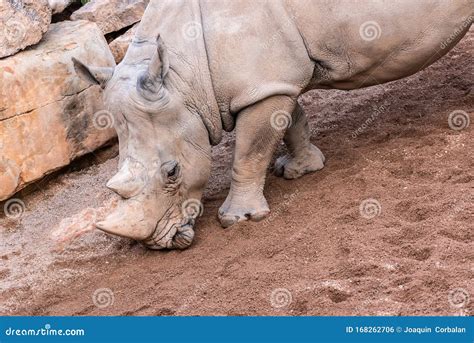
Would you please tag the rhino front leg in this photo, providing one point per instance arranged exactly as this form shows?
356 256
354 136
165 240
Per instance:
256 140
303 157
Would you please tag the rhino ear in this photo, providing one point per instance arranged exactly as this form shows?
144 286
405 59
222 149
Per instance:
160 64
93 75
150 83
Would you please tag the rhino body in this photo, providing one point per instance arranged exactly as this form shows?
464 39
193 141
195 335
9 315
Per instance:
241 65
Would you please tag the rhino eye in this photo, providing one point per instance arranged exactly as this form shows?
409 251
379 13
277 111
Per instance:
171 170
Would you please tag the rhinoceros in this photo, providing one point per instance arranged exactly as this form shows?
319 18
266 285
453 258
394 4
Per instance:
197 68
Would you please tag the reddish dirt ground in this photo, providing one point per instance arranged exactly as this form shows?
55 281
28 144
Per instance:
315 255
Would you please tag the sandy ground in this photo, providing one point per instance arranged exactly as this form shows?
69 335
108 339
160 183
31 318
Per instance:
317 254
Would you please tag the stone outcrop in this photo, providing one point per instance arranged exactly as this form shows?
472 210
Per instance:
120 45
112 15
48 115
57 6
22 23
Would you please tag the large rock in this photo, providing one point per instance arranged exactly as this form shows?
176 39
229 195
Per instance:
48 116
119 46
58 6
22 23
112 15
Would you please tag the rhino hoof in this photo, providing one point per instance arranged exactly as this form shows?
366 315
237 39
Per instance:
229 217
294 167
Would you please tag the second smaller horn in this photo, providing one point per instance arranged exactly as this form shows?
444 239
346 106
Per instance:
130 179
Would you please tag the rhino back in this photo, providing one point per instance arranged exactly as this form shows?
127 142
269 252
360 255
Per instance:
258 49
358 44
245 51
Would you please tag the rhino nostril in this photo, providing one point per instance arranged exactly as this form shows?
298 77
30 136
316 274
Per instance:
184 237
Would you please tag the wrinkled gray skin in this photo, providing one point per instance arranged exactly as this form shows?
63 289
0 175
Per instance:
229 64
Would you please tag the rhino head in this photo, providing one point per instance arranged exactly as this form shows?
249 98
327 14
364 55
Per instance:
165 151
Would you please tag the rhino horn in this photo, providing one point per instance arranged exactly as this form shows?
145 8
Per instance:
150 83
128 220
126 183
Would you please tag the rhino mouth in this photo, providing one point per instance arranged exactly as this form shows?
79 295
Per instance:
178 235
172 231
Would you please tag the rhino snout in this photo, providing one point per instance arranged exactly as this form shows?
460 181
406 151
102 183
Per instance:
141 221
